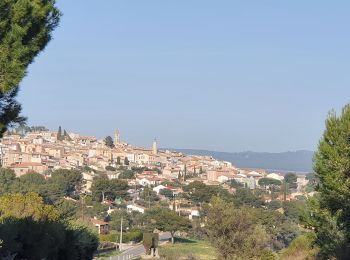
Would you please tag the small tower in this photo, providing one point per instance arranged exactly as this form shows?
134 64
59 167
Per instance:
116 137
154 147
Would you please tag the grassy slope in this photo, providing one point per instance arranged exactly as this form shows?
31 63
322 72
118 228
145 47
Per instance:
187 247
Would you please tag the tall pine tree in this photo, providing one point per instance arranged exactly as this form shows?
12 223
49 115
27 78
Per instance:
331 211
25 30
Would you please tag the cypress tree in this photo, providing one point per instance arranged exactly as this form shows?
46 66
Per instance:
59 134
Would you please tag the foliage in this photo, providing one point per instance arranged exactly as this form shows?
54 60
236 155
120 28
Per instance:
269 181
148 195
30 229
118 160
67 209
131 236
246 197
331 213
234 184
198 192
59 134
291 180
167 193
150 240
188 249
115 219
25 30
275 204
126 161
111 188
166 220
292 209
62 183
9 110
127 174
110 168
7 178
30 205
301 248
109 141
235 232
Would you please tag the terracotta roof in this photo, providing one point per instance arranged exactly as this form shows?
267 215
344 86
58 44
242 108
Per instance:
26 164
98 222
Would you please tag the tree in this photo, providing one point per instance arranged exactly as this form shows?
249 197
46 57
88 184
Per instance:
166 220
7 178
109 141
103 187
66 136
59 134
9 110
110 168
31 230
127 174
116 217
291 180
269 182
25 30
22 206
118 160
236 233
245 197
30 182
126 161
331 212
68 180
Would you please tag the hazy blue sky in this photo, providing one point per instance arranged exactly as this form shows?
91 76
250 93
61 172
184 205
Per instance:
223 75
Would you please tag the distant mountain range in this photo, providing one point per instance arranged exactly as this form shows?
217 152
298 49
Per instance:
298 161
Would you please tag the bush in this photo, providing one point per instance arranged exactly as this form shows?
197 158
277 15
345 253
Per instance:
131 236
301 248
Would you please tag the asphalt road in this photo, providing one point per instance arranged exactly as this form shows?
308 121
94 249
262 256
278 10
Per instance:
139 250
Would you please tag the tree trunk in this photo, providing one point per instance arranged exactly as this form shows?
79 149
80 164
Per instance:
172 238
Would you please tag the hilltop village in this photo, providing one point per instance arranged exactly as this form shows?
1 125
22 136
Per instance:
45 151
104 182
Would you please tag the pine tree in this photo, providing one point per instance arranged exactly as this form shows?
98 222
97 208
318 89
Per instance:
25 30
109 142
331 211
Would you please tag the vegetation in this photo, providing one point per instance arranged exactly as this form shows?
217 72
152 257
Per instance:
62 183
301 248
188 249
166 220
330 211
236 233
109 142
102 187
30 229
25 30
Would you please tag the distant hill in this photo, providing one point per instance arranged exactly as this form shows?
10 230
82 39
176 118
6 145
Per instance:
298 161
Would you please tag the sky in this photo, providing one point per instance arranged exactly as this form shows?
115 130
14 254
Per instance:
219 75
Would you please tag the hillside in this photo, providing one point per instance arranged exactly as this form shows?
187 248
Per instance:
298 161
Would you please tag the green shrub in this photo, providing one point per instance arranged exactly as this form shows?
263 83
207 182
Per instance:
300 248
131 236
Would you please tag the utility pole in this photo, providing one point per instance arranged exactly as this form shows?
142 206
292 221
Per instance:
121 235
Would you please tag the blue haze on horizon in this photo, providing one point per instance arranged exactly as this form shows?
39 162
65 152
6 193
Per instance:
218 75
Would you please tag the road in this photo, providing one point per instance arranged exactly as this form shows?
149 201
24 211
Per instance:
139 250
